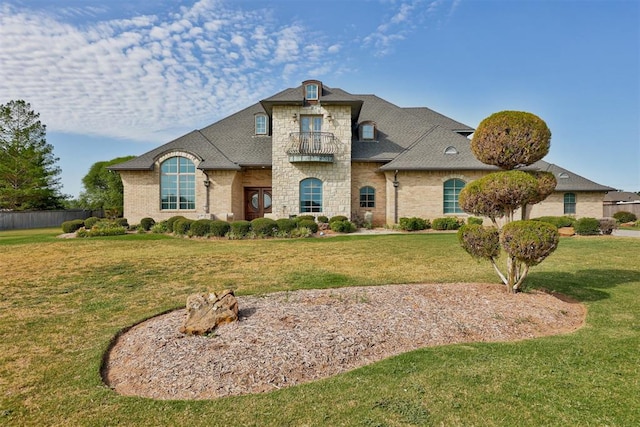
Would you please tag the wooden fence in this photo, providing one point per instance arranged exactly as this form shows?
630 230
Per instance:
41 219
633 207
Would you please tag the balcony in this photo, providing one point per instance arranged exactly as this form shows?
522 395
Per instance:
312 147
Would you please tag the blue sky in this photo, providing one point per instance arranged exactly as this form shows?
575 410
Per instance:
119 78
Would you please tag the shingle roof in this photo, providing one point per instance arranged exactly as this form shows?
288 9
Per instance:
569 181
415 138
621 196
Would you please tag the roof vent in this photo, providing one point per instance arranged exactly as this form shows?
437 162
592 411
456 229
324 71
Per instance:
563 175
450 150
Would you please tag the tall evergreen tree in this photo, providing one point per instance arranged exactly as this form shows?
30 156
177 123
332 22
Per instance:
29 177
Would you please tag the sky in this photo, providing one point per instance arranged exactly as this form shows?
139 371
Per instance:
120 77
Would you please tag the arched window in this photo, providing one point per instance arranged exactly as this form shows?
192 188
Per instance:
452 189
311 195
367 197
177 184
569 203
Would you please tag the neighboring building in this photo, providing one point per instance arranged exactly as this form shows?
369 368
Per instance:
617 201
323 151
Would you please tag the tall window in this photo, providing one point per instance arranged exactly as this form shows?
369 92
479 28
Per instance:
178 184
367 197
311 195
569 203
261 124
452 189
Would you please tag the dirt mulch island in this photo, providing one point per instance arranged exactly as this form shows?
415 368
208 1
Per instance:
288 338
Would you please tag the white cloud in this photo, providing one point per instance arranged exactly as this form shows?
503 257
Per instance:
147 77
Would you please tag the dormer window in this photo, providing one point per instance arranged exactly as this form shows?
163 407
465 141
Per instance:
450 150
311 91
261 124
367 131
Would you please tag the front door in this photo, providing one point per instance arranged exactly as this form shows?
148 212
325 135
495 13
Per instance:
257 202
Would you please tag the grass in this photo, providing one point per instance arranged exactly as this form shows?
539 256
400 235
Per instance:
61 301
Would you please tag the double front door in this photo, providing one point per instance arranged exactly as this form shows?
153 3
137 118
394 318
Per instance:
257 202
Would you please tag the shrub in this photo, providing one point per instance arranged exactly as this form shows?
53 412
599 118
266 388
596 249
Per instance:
302 232
240 228
264 227
447 223
285 224
558 221
308 223
413 224
480 242
529 242
624 217
122 222
171 221
474 220
338 218
200 228
91 221
587 226
147 223
219 228
182 226
607 225
323 219
160 227
342 226
72 226
103 228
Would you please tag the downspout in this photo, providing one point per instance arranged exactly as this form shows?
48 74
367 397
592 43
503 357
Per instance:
206 192
396 184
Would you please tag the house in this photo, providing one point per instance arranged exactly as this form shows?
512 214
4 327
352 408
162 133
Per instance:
617 201
320 150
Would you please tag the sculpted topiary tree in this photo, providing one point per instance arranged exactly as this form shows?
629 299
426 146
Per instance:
509 140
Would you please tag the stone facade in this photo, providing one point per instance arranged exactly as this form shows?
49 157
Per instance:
335 176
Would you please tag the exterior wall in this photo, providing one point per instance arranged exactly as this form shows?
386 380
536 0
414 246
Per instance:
222 189
588 204
367 174
335 177
421 193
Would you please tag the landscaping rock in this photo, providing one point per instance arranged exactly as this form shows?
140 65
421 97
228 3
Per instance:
566 231
206 311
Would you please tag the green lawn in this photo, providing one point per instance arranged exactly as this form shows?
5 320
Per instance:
62 300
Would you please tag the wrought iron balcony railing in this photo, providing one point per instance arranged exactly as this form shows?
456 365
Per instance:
312 143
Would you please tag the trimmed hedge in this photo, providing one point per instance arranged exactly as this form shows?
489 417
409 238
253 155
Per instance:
587 226
323 219
171 221
447 223
475 220
529 241
342 226
72 226
91 221
413 224
200 228
558 221
146 223
219 228
264 227
480 242
623 217
308 223
338 218
286 224
182 226
240 228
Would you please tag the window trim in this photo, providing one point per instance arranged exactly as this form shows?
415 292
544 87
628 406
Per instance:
316 88
183 184
310 187
374 129
456 194
266 124
569 205
369 201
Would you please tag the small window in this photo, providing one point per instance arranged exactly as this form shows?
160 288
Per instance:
452 189
311 91
367 197
569 203
563 175
311 195
367 131
261 124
